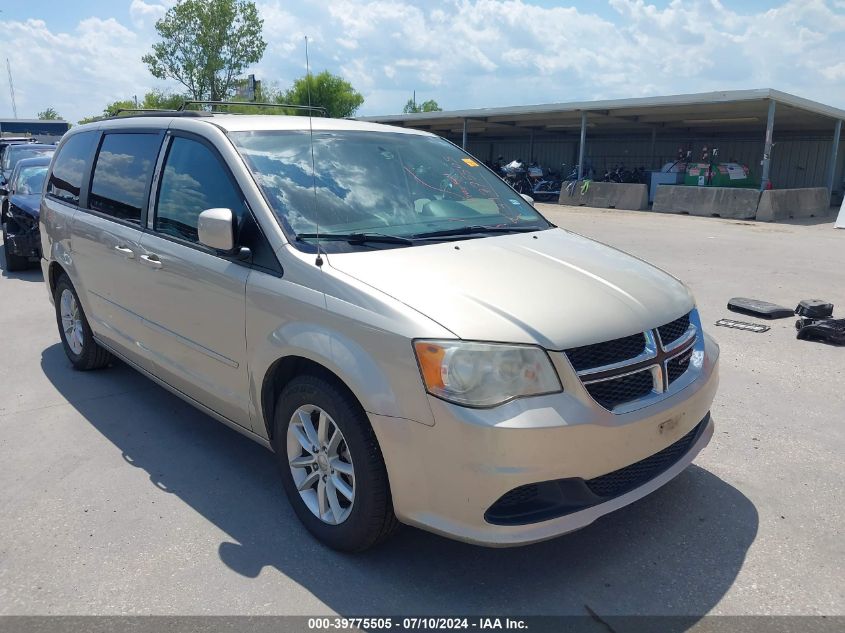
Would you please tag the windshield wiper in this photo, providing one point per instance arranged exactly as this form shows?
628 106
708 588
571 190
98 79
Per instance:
469 230
358 238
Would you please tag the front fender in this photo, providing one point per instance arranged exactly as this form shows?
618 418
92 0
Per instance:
366 348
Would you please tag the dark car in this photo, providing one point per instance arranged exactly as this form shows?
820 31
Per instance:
5 141
19 151
20 210
23 184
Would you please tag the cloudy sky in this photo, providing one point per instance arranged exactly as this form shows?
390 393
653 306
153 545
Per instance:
78 56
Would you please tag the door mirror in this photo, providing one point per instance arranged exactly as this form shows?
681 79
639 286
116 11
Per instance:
4 191
527 198
216 229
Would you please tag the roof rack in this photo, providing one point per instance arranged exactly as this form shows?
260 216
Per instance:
183 112
292 106
157 112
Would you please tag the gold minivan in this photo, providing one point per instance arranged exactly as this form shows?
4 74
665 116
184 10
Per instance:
414 341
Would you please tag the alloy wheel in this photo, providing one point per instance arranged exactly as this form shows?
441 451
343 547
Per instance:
320 464
71 321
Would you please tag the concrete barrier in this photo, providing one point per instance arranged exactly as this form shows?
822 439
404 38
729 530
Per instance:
608 195
723 202
783 204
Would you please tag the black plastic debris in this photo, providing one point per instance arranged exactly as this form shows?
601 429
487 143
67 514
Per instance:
814 309
742 325
830 331
758 308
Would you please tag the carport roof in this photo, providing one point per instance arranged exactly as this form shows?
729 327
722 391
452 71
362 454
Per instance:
733 110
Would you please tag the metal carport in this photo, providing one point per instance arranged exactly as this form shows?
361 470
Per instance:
792 141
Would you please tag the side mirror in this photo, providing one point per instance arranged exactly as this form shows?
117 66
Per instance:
4 191
527 198
216 229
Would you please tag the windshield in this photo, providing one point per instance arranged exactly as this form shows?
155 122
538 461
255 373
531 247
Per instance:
30 180
386 183
14 153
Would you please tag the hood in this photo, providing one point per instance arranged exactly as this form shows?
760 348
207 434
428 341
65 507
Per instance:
553 288
29 203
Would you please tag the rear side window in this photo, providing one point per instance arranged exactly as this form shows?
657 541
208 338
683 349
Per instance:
69 168
192 181
122 175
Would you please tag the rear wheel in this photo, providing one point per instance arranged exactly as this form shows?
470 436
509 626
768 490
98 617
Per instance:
331 465
77 339
14 263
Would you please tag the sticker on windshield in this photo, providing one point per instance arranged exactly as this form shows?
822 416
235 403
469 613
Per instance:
470 162
515 203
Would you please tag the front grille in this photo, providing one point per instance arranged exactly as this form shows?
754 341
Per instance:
674 330
616 391
626 479
607 353
676 367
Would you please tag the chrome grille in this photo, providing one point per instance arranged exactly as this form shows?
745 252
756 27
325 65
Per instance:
607 353
628 371
674 330
676 367
611 393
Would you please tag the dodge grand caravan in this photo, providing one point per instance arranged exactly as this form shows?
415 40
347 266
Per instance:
414 341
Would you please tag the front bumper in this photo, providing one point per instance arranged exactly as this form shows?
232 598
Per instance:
444 478
23 240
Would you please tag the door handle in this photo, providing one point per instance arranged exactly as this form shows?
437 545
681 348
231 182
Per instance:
128 252
151 260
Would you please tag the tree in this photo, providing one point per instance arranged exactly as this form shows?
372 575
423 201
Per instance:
206 44
49 114
426 106
331 92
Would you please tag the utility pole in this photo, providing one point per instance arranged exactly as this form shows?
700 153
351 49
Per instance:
11 88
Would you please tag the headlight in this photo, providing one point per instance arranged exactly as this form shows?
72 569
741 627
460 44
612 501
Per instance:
484 374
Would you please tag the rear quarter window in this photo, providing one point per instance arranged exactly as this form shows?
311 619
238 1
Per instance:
69 168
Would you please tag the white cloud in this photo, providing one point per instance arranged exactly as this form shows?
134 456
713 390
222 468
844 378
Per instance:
146 13
467 53
76 72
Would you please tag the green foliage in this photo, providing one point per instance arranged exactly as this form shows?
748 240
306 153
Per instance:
426 106
49 114
331 92
154 100
206 44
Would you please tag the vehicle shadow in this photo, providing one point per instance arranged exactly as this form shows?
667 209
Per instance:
676 552
33 273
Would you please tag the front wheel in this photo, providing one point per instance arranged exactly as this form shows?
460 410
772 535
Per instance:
331 465
77 339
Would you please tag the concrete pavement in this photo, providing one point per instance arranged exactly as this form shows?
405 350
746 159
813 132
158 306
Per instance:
116 497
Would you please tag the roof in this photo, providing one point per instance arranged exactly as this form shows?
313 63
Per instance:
35 161
244 123
13 120
708 111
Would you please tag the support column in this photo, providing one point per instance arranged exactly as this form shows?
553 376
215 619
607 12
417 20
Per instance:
767 147
834 154
464 138
582 144
653 143
531 147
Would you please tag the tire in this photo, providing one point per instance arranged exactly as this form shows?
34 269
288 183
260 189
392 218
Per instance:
14 263
369 518
83 351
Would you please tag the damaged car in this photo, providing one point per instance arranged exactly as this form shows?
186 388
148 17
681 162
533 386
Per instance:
21 240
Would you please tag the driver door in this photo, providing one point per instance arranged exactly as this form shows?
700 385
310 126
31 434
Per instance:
194 297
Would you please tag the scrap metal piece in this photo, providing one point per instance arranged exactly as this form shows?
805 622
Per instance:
742 325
